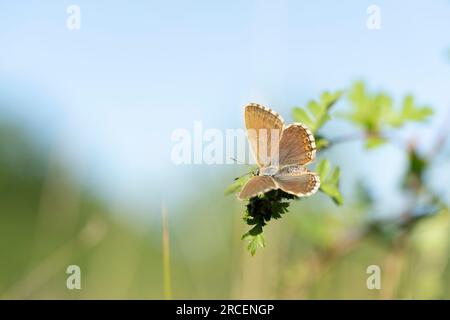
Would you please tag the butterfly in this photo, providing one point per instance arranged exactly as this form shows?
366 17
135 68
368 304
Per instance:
281 153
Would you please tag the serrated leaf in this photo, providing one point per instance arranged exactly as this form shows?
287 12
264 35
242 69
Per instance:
255 242
329 182
315 109
300 115
414 113
316 113
330 98
375 111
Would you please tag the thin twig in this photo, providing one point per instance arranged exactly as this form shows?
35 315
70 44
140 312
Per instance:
355 136
347 138
166 254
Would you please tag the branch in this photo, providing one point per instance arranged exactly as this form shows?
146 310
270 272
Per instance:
356 136
346 138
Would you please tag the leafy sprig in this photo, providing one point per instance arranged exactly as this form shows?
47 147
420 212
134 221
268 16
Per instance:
260 210
316 114
375 112
372 113
329 181
239 182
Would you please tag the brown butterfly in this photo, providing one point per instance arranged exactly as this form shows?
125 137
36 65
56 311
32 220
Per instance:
281 154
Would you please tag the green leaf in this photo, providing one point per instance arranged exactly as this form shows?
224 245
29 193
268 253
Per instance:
375 111
333 192
374 142
260 210
321 143
316 113
315 108
329 182
411 111
323 168
417 164
256 230
300 115
238 183
330 99
255 242
368 109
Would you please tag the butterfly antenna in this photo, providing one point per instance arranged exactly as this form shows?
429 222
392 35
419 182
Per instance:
240 162
245 174
247 164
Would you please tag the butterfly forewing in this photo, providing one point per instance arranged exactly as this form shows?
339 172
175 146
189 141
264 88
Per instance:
264 128
301 185
257 185
297 145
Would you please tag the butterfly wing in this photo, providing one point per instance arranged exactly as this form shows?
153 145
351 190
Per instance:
257 185
301 185
264 128
297 145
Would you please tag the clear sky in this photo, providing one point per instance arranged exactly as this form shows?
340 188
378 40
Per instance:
109 95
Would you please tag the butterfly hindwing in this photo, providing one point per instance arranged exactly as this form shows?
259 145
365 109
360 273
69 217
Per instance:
264 128
297 145
257 185
301 185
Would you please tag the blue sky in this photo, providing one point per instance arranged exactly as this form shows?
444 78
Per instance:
109 95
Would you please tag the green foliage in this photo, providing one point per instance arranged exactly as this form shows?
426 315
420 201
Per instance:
410 112
316 113
254 242
374 141
238 183
368 110
329 181
260 210
321 142
374 112
417 164
263 208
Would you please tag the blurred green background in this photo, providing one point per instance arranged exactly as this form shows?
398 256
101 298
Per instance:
85 169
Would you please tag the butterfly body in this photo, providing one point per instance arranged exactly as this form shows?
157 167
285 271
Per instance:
281 154
293 169
268 171
274 171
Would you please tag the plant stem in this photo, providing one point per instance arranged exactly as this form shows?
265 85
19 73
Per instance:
166 254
